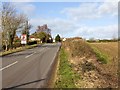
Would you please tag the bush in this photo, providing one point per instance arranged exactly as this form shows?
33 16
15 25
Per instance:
57 38
79 48
32 42
17 44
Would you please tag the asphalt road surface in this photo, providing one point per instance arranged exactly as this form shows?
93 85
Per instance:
29 68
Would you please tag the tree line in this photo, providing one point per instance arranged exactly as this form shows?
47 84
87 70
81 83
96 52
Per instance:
46 38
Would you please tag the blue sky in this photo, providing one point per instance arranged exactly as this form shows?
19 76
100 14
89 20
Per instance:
71 19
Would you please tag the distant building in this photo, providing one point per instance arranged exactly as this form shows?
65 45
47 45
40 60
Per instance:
44 28
33 38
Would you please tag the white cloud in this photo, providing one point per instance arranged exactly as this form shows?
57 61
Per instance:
61 26
18 0
68 28
71 26
101 32
108 8
92 10
85 10
111 0
26 8
60 0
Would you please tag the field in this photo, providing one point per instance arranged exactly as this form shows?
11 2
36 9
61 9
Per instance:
95 65
110 49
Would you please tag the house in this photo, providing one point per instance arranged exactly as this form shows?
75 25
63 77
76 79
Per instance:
33 38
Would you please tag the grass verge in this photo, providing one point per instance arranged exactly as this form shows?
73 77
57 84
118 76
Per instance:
100 56
17 50
66 76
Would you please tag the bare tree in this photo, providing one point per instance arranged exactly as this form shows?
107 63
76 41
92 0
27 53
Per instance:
11 22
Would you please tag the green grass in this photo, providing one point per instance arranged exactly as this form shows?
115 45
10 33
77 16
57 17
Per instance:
17 50
66 75
101 56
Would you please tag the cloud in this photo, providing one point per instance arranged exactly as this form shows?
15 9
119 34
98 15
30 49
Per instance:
67 28
91 10
108 8
85 10
111 0
18 0
71 26
26 8
60 0
57 25
100 32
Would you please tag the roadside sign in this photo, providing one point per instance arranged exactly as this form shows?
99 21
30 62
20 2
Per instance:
23 39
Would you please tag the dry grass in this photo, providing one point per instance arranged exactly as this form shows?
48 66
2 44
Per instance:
86 64
111 50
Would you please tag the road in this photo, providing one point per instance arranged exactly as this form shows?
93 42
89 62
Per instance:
29 68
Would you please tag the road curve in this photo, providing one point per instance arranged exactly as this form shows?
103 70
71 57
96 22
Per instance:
29 68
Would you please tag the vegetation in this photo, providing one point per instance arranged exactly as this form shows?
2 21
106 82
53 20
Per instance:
17 49
32 42
66 75
57 38
44 37
95 64
110 49
104 40
11 23
78 48
100 56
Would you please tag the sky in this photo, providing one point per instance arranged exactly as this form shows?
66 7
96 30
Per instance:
98 19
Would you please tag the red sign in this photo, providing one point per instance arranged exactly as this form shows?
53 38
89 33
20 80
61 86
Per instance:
23 39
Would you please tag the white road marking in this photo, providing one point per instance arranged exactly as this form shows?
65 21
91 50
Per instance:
8 65
30 55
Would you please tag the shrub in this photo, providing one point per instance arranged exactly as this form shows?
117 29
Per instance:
32 42
57 38
78 48
17 44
